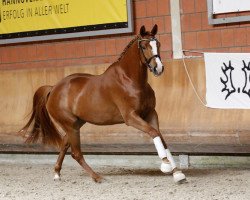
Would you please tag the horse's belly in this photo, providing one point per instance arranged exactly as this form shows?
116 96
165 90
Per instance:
105 120
100 114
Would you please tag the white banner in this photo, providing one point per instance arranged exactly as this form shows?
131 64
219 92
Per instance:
228 80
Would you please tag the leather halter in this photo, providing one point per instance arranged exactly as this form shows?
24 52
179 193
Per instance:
148 60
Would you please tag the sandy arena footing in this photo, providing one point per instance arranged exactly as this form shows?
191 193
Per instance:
30 177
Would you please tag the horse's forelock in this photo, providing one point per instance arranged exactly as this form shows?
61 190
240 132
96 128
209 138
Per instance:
148 34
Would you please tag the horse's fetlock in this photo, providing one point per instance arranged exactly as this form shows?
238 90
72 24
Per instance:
58 168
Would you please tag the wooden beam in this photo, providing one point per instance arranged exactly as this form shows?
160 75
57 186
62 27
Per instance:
133 149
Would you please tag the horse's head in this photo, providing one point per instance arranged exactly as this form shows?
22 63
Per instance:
150 50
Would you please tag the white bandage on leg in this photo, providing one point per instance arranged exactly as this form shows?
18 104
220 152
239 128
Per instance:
166 168
170 158
179 177
160 148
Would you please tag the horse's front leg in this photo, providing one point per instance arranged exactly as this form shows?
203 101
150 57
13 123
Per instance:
151 126
152 119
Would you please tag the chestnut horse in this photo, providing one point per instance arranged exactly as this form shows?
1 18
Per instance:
120 95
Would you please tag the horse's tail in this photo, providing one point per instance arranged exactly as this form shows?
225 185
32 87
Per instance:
43 125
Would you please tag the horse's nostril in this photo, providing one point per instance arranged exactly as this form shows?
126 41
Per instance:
162 69
155 70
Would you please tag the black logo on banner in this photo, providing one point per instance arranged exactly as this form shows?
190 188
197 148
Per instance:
246 70
228 83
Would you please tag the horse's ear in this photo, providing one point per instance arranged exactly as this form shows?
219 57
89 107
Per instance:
143 31
154 29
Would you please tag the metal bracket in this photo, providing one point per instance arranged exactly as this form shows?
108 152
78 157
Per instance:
184 161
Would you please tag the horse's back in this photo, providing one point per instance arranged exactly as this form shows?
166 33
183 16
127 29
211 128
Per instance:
65 85
85 96
65 91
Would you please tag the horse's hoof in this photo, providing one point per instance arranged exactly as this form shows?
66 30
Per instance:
179 177
166 168
97 179
57 177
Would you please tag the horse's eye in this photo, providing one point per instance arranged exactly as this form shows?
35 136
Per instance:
143 47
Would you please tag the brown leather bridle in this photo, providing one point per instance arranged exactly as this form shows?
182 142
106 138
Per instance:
148 60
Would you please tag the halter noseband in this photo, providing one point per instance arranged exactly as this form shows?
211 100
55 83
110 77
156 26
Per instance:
147 61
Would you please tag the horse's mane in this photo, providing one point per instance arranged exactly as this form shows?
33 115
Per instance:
126 48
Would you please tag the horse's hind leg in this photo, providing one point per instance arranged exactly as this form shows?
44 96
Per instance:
74 139
71 126
63 150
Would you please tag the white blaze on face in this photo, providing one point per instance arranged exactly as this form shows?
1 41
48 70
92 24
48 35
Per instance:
159 67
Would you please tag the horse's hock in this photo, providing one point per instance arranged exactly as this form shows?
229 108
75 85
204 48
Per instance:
185 123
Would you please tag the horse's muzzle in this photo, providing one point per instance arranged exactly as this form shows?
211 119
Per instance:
156 72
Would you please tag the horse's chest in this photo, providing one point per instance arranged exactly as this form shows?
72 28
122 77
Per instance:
146 102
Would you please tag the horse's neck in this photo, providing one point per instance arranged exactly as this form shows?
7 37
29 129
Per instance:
132 65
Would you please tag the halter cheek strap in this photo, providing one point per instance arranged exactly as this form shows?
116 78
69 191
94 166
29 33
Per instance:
151 68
